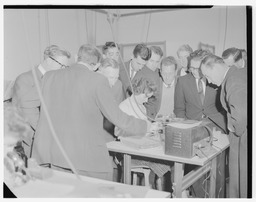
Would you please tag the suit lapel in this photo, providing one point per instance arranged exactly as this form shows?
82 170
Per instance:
222 93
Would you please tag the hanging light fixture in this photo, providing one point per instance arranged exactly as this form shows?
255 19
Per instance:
110 17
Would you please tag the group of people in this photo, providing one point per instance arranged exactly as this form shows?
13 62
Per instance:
99 98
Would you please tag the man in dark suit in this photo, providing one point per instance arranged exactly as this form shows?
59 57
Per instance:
25 96
233 84
76 99
141 55
234 57
151 72
194 98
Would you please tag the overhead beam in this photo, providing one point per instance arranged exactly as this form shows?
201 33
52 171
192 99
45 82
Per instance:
102 11
145 12
175 8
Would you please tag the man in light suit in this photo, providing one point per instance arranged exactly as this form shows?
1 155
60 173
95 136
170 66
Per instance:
168 74
233 82
76 99
234 57
141 55
25 96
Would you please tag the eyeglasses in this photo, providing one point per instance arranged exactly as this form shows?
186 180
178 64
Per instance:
62 66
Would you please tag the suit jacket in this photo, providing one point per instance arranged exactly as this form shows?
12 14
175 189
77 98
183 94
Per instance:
153 104
25 96
109 127
187 103
234 101
77 99
117 90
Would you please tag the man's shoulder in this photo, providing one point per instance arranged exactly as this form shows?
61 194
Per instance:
236 75
124 103
26 74
147 72
118 83
184 78
24 77
123 67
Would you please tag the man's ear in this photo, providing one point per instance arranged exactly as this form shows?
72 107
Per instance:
104 56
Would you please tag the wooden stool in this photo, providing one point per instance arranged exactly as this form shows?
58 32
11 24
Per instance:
145 171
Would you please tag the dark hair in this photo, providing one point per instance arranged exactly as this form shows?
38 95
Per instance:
143 85
109 45
235 52
198 55
143 51
157 50
169 61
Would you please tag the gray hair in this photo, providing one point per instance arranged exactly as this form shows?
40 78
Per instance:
53 51
88 51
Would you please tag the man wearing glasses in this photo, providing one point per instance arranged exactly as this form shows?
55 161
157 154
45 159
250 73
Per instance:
195 99
25 96
77 99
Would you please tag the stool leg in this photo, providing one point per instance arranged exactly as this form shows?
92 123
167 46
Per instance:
134 179
146 177
159 184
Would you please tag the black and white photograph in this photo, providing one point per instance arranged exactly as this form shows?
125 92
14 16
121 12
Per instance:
129 100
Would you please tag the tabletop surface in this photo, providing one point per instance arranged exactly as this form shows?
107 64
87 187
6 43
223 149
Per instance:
220 143
66 185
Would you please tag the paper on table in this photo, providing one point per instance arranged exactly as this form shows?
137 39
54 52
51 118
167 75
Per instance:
185 124
140 142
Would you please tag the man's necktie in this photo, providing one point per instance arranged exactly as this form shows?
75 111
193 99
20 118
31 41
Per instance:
201 90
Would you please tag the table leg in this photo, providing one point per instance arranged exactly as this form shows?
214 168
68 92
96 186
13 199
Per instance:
127 169
178 176
213 178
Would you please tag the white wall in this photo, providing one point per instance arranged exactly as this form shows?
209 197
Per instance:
68 28
42 27
188 27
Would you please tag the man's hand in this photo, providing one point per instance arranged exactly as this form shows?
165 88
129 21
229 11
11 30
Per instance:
154 127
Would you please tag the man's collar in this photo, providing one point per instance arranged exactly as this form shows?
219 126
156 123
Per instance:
41 69
169 85
82 63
